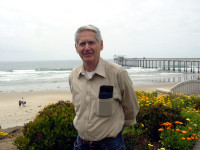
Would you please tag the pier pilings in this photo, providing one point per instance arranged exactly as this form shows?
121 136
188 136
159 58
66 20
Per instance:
175 64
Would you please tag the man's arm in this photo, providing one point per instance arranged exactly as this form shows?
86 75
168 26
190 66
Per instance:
129 98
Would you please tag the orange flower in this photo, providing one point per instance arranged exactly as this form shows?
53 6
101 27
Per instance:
178 122
168 128
189 139
161 129
177 129
183 138
167 124
190 128
161 137
184 132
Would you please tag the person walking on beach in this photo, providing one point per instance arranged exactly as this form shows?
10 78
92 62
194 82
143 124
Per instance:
103 96
22 102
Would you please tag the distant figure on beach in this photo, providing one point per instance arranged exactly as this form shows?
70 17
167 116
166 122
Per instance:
103 96
22 102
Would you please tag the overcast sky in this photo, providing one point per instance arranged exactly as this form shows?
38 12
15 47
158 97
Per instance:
44 29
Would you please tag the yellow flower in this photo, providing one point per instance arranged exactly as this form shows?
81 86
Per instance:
188 119
150 145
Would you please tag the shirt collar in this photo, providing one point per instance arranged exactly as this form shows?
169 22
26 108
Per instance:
100 69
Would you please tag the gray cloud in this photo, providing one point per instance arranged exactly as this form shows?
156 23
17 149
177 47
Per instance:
44 30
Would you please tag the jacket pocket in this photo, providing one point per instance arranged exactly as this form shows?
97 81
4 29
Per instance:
105 107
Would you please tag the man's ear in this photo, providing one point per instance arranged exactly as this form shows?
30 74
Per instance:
101 46
76 48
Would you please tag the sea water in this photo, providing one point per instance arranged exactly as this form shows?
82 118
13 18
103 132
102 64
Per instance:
53 75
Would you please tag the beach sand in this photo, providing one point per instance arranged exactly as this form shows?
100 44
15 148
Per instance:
13 117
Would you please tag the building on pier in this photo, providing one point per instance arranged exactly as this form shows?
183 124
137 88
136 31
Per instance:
175 64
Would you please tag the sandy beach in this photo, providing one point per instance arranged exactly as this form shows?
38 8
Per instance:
12 115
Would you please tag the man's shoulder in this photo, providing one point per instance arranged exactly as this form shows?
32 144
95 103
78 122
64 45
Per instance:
76 69
113 66
74 72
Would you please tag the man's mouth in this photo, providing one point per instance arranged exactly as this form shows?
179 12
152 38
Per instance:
87 54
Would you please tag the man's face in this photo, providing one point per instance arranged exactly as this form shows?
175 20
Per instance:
88 47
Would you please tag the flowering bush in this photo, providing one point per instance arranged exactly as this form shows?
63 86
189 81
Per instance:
161 110
51 129
177 136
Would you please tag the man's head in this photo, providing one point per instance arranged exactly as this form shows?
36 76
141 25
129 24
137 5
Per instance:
88 43
91 28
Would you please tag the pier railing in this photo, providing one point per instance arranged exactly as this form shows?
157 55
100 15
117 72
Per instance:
179 64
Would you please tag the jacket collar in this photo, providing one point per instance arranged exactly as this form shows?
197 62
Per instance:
100 69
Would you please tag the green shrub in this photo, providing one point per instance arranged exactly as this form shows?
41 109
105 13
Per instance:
134 139
51 129
152 116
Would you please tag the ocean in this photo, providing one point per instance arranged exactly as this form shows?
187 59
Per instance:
53 75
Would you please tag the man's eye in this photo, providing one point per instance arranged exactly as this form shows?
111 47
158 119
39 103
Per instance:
82 44
91 42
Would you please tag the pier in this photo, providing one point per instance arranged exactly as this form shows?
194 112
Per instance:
175 64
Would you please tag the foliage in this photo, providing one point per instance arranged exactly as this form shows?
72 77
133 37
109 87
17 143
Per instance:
134 139
178 136
152 116
51 129
156 110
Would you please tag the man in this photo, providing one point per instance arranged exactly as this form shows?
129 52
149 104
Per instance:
103 96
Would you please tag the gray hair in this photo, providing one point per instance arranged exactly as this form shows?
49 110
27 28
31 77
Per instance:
89 27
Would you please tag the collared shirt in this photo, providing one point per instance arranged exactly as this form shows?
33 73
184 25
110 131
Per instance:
85 96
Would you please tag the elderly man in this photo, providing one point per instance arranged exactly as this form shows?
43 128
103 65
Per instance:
103 96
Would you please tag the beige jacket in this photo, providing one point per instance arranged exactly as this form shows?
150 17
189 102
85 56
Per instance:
95 118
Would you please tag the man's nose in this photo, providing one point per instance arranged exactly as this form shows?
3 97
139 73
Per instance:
87 46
